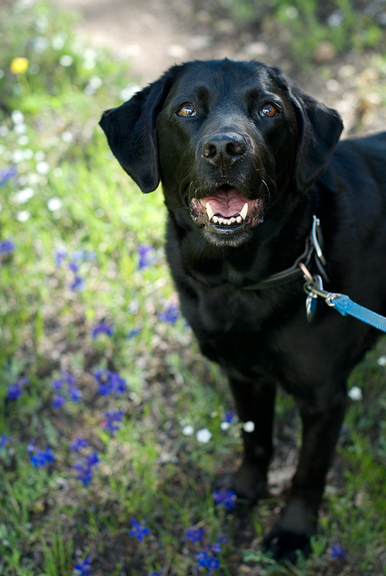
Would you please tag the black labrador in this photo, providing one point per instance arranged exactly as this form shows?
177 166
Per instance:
255 183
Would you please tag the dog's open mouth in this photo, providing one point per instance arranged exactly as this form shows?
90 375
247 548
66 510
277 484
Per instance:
226 209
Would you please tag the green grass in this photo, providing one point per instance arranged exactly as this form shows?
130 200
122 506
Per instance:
149 470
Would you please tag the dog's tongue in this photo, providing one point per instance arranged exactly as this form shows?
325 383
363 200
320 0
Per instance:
225 202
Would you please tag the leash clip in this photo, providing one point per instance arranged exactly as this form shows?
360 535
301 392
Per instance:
313 287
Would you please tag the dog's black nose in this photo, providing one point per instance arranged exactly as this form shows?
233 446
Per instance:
223 149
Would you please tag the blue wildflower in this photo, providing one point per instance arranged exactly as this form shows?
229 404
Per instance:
337 551
60 255
224 496
83 567
133 332
229 416
78 444
170 315
109 382
15 390
147 256
31 446
73 267
74 394
4 439
78 284
195 534
6 246
57 401
7 174
102 328
42 457
207 560
113 421
84 467
57 384
155 573
138 529
217 545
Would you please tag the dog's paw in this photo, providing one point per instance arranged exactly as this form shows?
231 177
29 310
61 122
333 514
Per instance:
247 487
283 544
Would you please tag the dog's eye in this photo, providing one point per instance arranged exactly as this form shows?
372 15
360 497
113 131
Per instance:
269 110
186 110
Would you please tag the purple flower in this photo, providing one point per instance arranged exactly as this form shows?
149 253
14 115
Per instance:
337 551
78 284
113 420
42 457
224 496
102 328
170 314
155 573
73 267
78 444
31 446
217 545
57 401
229 416
207 560
7 174
60 255
83 567
147 255
133 332
138 529
195 534
84 467
6 246
109 382
74 394
14 391
57 384
4 439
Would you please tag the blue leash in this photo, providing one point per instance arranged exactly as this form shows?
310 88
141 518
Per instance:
341 302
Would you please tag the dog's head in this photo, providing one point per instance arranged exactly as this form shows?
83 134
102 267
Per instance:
227 139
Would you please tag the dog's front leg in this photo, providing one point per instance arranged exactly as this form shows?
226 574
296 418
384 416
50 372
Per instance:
254 404
298 522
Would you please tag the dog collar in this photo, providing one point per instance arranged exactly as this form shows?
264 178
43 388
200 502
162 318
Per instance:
312 248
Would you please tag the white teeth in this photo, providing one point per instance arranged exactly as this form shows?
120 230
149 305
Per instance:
215 219
244 211
239 219
232 220
209 211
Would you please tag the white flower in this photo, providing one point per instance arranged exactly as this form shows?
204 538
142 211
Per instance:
66 60
18 156
67 137
23 141
204 435
3 130
23 196
40 44
249 426
355 393
58 172
17 117
188 430
381 361
39 155
20 129
58 41
95 82
224 425
23 216
28 154
54 204
42 168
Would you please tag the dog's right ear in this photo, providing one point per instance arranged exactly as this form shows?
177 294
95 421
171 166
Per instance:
131 132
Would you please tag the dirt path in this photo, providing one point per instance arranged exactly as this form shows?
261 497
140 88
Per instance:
154 34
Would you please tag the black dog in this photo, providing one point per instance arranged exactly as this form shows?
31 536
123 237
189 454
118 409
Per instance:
250 166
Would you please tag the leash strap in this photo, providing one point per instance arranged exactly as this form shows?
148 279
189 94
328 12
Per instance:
343 304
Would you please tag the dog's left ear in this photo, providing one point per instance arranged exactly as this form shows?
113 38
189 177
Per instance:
131 132
319 130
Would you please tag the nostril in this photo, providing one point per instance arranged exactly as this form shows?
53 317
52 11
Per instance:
236 148
209 150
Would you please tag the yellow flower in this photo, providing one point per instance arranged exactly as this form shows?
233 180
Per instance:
19 65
